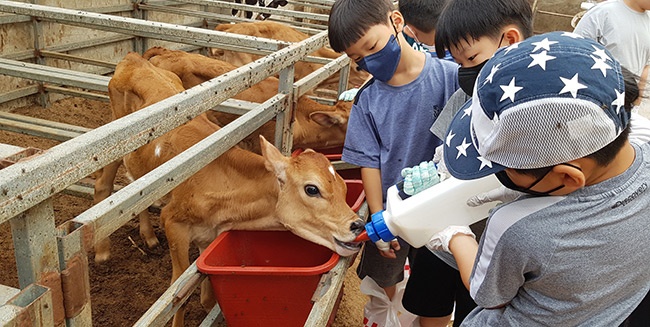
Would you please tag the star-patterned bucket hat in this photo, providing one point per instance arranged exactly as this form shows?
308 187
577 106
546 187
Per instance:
550 99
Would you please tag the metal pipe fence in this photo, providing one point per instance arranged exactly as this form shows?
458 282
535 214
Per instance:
50 259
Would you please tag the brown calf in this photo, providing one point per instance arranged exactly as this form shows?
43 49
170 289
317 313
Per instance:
239 189
135 85
315 126
283 32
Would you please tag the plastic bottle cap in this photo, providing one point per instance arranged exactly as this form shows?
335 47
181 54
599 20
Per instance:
377 228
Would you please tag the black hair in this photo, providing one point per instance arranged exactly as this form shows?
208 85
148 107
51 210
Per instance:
606 155
472 19
350 19
421 14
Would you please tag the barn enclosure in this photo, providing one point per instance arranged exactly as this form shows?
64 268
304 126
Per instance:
56 49
52 49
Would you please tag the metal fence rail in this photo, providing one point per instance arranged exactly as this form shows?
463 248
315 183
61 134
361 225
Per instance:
138 27
265 10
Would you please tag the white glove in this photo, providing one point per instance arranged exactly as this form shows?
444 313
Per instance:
438 158
383 246
349 94
440 241
420 177
501 193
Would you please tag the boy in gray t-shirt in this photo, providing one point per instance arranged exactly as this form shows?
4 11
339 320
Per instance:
550 117
623 27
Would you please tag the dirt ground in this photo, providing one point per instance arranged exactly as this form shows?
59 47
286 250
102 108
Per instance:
124 288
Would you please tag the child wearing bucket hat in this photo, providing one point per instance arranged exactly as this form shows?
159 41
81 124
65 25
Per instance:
549 116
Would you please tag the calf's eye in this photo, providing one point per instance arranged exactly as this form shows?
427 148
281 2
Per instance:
312 190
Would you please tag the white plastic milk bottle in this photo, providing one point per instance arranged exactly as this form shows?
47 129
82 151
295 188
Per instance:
417 218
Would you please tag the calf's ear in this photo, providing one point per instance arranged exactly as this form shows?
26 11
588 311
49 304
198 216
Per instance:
274 161
327 119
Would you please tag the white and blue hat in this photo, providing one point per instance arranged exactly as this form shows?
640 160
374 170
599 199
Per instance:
550 99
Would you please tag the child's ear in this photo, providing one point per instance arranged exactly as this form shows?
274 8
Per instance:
398 20
512 35
573 178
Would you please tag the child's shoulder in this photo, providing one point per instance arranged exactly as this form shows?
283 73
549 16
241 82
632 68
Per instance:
441 76
373 92
365 91
605 8
440 73
441 66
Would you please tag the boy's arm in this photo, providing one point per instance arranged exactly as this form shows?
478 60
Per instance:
371 178
464 248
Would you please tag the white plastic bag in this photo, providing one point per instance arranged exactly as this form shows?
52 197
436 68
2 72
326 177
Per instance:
380 311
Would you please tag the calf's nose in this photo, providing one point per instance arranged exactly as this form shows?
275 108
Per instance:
357 226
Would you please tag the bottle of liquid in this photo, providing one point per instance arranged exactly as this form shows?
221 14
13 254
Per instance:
417 218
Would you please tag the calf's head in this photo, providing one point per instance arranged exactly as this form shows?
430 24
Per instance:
312 199
319 126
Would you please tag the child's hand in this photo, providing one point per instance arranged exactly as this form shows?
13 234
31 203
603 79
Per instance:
501 193
440 241
387 249
420 177
349 94
438 158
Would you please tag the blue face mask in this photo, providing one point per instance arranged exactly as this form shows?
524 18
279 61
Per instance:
383 63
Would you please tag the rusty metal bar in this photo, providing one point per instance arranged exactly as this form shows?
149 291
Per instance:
18 93
29 54
75 276
76 93
550 13
164 31
31 307
89 61
39 41
53 75
34 235
254 8
313 79
284 120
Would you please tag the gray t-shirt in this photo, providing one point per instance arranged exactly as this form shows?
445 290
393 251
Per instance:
440 126
389 125
577 260
623 31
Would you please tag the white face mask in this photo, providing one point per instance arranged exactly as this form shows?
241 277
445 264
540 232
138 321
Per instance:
427 47
430 48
